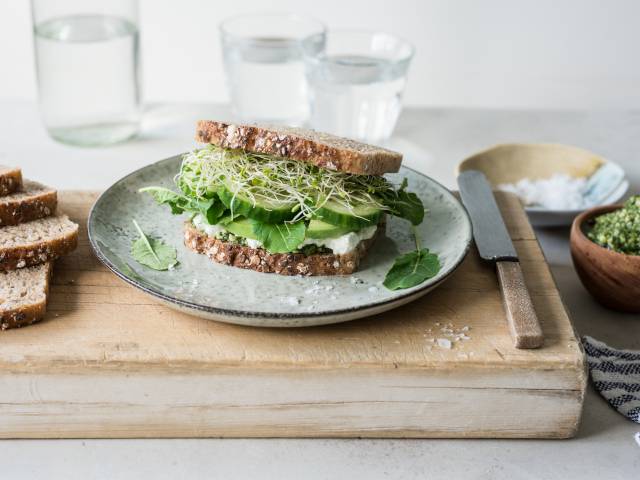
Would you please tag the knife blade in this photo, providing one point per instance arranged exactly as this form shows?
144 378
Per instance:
489 231
494 245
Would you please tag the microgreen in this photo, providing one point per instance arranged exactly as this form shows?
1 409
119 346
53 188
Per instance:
265 178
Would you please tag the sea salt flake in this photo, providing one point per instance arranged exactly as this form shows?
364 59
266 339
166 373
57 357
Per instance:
290 300
444 343
558 192
315 290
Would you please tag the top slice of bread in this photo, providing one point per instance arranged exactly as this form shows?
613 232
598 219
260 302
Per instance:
10 180
32 202
320 149
36 242
23 295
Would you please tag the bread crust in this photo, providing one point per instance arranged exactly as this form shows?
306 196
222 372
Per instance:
12 258
27 314
39 205
320 149
10 180
260 260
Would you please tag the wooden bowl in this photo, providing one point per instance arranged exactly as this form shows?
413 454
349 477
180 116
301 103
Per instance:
509 163
612 278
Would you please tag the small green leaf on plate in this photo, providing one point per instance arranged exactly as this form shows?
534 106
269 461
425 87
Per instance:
412 269
153 253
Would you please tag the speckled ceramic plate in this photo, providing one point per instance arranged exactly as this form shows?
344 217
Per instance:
201 287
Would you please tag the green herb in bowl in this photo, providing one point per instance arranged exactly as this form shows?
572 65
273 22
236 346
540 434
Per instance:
619 230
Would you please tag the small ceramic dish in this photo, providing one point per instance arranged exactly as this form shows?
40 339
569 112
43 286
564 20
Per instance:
612 278
509 163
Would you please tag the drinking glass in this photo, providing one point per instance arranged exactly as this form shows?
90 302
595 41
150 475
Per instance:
356 83
265 68
87 66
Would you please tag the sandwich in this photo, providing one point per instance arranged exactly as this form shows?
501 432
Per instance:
286 200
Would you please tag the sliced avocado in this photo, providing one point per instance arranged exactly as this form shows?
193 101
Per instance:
267 211
241 227
319 229
356 218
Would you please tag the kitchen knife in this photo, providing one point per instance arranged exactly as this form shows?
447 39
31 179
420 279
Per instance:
494 245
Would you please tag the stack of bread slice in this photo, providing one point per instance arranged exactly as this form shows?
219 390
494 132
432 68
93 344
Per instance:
32 236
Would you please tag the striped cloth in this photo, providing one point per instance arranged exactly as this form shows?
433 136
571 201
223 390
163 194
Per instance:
616 376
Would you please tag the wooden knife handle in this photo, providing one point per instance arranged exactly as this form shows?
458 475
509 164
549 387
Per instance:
523 322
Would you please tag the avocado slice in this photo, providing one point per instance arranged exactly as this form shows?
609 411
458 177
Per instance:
319 229
241 227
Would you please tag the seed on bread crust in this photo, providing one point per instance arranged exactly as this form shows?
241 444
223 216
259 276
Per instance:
10 180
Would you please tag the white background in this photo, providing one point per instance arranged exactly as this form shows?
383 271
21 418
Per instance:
561 54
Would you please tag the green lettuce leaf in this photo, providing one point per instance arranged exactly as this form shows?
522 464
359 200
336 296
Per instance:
279 237
211 208
412 269
404 204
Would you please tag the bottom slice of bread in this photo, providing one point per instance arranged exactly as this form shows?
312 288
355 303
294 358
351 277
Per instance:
260 260
23 295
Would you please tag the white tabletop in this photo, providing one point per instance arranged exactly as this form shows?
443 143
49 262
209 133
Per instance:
433 141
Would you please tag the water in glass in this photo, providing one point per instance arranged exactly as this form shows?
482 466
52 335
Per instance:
88 78
267 82
356 96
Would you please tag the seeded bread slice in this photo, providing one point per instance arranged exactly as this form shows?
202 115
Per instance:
320 149
23 295
10 179
32 202
260 260
36 242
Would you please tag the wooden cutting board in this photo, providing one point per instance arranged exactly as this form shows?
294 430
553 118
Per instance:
109 361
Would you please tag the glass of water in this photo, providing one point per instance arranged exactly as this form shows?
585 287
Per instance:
87 66
265 68
356 83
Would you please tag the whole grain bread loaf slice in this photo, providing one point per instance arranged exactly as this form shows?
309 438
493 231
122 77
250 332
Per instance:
320 149
32 202
23 295
10 179
260 260
36 242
